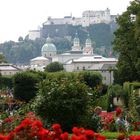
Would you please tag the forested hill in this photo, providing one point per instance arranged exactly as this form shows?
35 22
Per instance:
22 51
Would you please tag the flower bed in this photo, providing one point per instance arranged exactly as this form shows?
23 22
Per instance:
31 128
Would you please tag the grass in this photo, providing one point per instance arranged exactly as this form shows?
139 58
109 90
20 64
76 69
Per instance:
114 135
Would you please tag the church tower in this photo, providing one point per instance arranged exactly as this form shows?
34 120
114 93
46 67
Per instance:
76 44
88 49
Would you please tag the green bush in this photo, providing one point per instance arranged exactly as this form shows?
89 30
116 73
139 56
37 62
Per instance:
54 67
116 91
134 99
6 81
102 101
25 86
63 101
92 79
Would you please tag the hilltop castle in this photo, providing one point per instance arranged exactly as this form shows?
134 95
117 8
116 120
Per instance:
62 24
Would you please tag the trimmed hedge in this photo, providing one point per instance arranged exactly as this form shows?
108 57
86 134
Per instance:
25 85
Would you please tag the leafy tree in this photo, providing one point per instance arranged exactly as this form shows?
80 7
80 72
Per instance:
20 39
54 67
90 78
6 81
127 44
62 101
25 85
2 58
116 91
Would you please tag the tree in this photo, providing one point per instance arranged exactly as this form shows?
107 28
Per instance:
2 58
127 44
54 67
20 39
90 78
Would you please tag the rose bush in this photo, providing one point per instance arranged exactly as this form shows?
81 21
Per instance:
31 128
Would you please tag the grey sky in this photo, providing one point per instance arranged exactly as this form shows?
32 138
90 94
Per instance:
19 16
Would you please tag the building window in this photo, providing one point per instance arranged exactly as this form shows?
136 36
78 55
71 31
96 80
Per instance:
50 54
83 67
77 68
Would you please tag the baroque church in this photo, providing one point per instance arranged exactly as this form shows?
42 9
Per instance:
49 52
77 59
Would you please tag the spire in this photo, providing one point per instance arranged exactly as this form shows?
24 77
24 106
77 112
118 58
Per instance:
76 40
76 43
88 50
48 40
88 41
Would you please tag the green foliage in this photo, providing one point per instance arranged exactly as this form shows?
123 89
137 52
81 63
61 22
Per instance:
102 101
54 67
22 51
92 79
25 86
116 91
2 58
126 43
134 100
6 82
62 101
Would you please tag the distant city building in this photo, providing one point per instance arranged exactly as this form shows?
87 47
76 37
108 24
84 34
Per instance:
33 34
59 26
8 69
88 17
77 59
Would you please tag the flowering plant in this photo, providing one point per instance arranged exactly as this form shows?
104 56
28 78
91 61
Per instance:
31 128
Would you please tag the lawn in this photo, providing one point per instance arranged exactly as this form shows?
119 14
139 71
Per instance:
114 135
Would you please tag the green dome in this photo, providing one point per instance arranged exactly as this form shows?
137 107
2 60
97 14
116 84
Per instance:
48 46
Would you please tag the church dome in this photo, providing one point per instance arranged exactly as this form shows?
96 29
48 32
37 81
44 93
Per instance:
48 46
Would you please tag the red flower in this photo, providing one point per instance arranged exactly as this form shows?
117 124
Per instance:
56 126
43 134
100 137
25 123
89 134
118 111
64 136
135 137
2 137
75 130
37 124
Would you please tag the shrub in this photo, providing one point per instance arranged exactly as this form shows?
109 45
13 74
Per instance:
6 81
115 91
92 79
54 67
63 101
25 86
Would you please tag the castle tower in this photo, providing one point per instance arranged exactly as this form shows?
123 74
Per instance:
88 49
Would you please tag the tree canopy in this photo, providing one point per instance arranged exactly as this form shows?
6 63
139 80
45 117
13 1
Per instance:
2 58
54 67
127 44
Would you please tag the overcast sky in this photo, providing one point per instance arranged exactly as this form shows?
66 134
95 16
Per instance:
17 17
